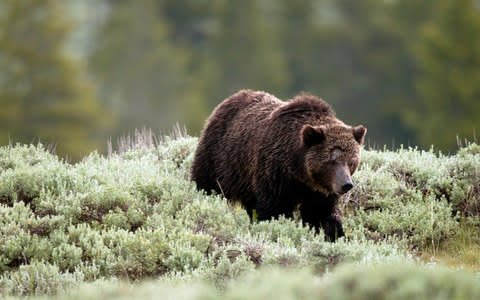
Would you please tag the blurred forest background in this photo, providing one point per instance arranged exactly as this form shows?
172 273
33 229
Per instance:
75 72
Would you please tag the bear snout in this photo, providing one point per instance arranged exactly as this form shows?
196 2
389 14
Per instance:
342 180
347 186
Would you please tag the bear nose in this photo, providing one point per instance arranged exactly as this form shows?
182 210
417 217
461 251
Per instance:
346 187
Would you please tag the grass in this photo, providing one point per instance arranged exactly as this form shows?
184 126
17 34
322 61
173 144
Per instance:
461 250
132 222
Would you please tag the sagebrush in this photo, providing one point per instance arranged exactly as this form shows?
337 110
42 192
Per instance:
135 214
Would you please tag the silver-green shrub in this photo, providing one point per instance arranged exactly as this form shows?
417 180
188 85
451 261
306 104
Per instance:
135 215
413 195
348 282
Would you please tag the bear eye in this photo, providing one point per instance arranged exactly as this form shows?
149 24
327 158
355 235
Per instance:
336 154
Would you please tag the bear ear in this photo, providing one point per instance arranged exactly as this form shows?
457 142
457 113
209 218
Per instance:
359 133
312 135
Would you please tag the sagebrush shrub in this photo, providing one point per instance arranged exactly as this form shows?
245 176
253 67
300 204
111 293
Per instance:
135 214
348 282
413 195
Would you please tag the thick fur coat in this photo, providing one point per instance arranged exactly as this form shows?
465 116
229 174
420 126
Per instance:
274 156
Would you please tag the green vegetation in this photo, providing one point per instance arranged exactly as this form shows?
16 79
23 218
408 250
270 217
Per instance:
407 70
44 95
135 215
415 195
75 72
449 57
461 250
380 282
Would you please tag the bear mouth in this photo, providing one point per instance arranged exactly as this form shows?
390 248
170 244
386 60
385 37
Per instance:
326 192
321 189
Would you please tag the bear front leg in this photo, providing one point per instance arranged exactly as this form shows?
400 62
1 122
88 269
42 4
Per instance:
310 215
333 228
323 213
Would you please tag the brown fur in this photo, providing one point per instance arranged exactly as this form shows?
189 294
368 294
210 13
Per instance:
273 156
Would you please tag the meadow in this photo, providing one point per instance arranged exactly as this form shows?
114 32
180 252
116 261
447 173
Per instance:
132 224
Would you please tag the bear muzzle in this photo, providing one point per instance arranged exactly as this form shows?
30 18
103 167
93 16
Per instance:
342 180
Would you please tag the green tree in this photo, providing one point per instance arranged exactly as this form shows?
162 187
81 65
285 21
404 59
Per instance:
193 27
144 76
162 61
246 52
361 67
448 83
298 36
44 94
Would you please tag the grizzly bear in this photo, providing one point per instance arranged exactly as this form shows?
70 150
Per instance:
275 156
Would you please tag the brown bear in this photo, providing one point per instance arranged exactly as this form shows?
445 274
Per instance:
275 156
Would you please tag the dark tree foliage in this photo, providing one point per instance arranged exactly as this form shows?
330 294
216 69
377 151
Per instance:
44 95
408 70
448 82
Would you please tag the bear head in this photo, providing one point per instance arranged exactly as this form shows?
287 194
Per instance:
332 154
